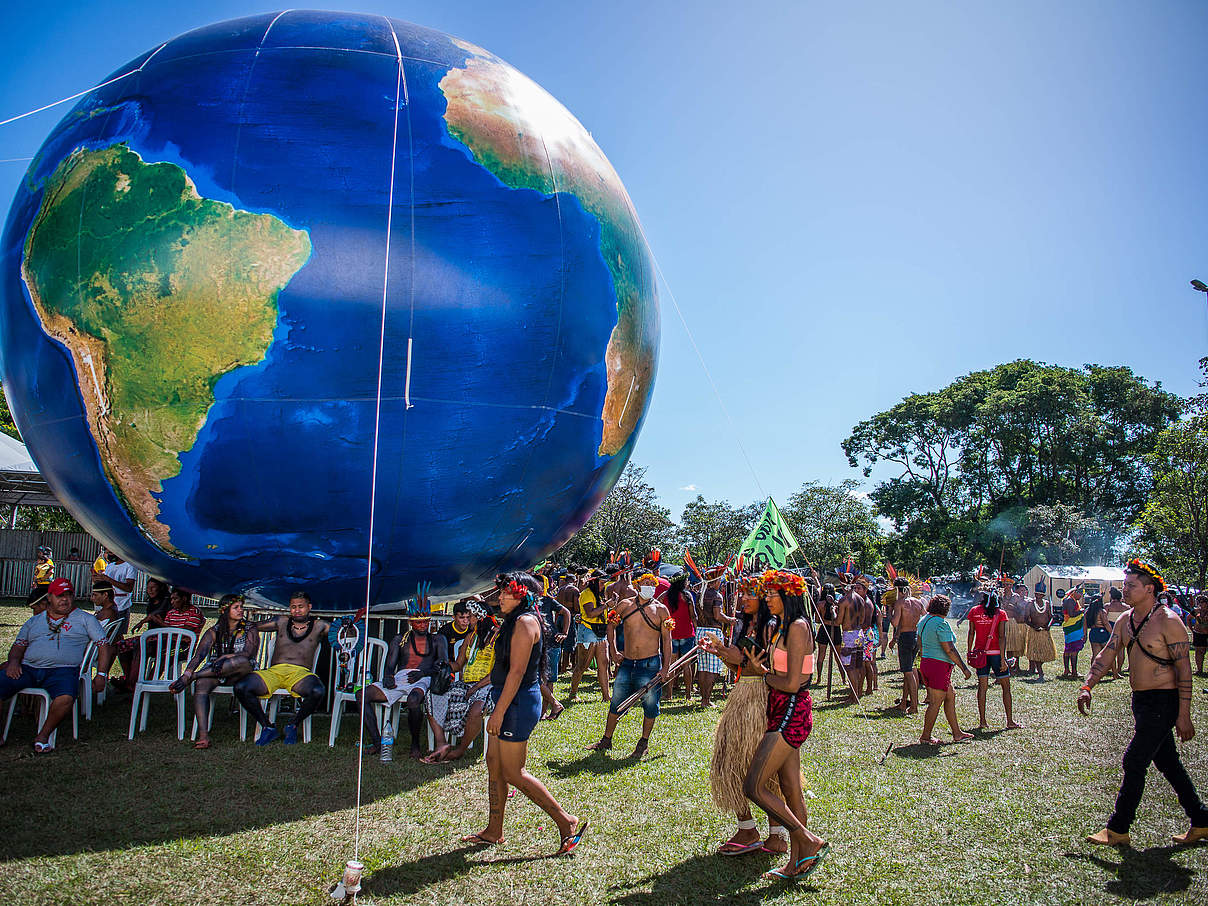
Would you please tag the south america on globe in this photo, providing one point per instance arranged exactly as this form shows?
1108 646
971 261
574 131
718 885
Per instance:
279 250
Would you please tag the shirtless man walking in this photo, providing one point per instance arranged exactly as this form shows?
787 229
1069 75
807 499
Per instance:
851 654
1160 676
907 612
298 637
647 654
568 597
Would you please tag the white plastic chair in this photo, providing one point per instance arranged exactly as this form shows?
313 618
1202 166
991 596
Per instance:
376 650
162 656
84 695
43 698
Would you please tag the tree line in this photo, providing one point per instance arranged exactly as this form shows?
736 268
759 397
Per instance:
1019 464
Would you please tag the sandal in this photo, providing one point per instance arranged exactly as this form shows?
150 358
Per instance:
799 873
480 840
554 715
739 849
201 744
570 843
43 748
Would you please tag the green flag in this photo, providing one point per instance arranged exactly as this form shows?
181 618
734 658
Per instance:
771 541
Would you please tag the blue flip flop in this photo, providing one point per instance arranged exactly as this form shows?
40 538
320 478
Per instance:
815 860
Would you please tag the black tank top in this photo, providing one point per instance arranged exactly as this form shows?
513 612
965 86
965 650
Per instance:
503 658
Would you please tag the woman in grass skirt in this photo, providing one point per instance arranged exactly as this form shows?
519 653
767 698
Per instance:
742 725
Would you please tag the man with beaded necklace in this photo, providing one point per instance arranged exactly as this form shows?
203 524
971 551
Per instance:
1160 675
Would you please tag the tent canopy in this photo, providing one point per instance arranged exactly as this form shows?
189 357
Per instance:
1066 577
20 483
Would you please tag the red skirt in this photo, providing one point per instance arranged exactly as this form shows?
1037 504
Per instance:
791 714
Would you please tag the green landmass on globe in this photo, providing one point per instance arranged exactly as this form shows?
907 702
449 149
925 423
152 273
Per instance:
170 292
522 135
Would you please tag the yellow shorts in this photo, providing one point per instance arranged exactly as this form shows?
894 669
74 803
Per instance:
282 676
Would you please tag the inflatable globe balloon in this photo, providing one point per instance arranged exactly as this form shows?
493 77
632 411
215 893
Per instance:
328 301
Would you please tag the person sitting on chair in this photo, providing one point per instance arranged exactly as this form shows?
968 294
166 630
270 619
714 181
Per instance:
47 655
104 608
298 638
468 704
413 658
182 613
229 648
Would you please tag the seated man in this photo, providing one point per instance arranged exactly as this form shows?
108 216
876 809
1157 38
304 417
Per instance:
462 710
104 608
298 638
47 655
411 662
182 613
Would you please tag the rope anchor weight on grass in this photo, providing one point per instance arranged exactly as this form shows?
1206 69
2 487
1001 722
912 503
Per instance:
346 889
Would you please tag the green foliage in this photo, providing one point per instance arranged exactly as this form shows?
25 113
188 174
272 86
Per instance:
979 461
1173 527
630 518
7 425
831 522
714 531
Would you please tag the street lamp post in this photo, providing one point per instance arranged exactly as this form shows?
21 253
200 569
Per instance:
1200 286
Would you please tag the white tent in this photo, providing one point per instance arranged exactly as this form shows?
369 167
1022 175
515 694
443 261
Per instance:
1066 577
14 457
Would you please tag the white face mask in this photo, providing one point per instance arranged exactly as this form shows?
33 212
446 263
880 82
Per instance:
646 592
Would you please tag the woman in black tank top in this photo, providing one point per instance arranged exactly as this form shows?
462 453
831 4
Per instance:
516 693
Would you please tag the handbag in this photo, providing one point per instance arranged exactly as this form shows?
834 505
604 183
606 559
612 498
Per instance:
977 658
442 678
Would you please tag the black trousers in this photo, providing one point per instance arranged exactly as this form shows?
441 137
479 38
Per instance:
1154 713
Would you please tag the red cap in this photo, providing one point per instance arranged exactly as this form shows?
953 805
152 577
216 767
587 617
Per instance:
61 587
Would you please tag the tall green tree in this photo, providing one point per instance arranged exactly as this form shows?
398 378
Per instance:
629 518
830 523
1021 435
1173 526
713 531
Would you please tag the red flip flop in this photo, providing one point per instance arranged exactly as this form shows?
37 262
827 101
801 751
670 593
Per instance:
569 844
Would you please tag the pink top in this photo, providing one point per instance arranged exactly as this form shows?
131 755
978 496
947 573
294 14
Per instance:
780 662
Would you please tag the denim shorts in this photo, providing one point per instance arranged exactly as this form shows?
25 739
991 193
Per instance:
632 676
994 665
680 647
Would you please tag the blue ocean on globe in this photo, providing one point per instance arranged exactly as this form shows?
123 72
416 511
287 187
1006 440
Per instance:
265 210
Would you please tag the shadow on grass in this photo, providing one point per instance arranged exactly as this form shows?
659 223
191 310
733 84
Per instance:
918 750
707 878
409 878
115 793
597 763
1142 873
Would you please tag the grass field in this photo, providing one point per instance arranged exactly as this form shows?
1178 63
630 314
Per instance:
997 821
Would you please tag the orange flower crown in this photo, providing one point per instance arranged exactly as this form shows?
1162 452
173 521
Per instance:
646 579
783 581
1140 566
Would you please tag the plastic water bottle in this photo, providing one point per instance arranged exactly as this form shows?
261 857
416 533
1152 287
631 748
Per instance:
387 743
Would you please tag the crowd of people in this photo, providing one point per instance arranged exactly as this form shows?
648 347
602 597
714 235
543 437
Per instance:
766 637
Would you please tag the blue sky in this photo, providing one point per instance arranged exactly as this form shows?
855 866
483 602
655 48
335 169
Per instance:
851 202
